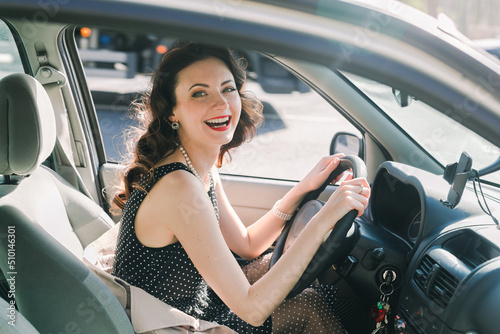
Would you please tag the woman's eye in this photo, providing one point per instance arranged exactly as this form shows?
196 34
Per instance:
229 89
199 94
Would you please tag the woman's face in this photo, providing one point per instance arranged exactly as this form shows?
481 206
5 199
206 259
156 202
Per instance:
208 103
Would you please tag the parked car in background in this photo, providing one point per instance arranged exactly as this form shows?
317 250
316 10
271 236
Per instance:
415 100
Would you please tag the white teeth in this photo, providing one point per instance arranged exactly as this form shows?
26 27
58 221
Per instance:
218 120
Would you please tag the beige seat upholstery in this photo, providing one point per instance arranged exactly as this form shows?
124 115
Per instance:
27 138
51 221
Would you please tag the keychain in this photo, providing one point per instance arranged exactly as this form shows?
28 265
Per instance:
380 313
382 309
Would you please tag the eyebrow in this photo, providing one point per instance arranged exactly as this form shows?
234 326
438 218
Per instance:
206 86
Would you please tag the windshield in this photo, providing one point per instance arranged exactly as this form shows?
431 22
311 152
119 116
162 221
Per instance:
442 137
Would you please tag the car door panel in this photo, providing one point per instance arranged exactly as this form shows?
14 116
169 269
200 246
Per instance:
250 197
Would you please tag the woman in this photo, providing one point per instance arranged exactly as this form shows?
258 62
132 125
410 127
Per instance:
176 242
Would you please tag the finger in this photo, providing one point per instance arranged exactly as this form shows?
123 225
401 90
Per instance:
349 175
358 193
363 190
333 161
356 202
357 181
346 175
366 191
361 203
357 189
338 155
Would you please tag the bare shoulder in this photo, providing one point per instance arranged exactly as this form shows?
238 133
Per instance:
183 195
173 206
174 187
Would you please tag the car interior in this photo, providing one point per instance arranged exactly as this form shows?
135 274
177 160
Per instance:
61 222
429 243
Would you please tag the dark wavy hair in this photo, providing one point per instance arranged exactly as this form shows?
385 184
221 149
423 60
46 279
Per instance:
154 138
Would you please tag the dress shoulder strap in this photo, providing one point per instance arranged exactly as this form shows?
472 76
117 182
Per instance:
163 170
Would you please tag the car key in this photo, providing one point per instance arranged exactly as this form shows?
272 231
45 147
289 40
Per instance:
382 309
379 314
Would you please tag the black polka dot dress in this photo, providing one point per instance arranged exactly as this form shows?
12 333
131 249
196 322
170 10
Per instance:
168 273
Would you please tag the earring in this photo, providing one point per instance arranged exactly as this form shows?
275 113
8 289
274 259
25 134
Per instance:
175 125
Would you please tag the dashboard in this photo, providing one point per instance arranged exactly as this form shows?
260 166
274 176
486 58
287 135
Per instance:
447 261
396 206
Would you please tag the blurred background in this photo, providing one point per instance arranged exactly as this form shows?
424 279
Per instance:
118 65
476 19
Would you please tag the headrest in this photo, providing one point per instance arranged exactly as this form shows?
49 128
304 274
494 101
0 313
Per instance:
27 124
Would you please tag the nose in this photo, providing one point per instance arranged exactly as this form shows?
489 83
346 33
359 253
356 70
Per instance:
220 102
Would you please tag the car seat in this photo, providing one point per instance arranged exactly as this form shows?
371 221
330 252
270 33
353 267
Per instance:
13 322
45 223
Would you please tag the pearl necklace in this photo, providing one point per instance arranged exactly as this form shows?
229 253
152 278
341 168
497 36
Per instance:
213 195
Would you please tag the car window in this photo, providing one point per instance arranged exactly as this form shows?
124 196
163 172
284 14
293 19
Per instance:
298 123
443 137
10 60
297 131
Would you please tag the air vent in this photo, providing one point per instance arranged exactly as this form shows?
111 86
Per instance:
423 272
437 283
443 288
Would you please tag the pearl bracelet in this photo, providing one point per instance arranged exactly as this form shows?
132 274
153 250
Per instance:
281 214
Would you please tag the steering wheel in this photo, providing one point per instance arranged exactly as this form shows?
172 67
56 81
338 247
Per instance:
337 244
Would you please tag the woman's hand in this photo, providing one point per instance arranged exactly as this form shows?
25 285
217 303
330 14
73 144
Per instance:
315 178
350 195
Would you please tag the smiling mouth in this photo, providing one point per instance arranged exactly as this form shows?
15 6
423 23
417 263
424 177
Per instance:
219 123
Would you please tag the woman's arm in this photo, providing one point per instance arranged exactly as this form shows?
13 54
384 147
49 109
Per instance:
191 218
250 242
